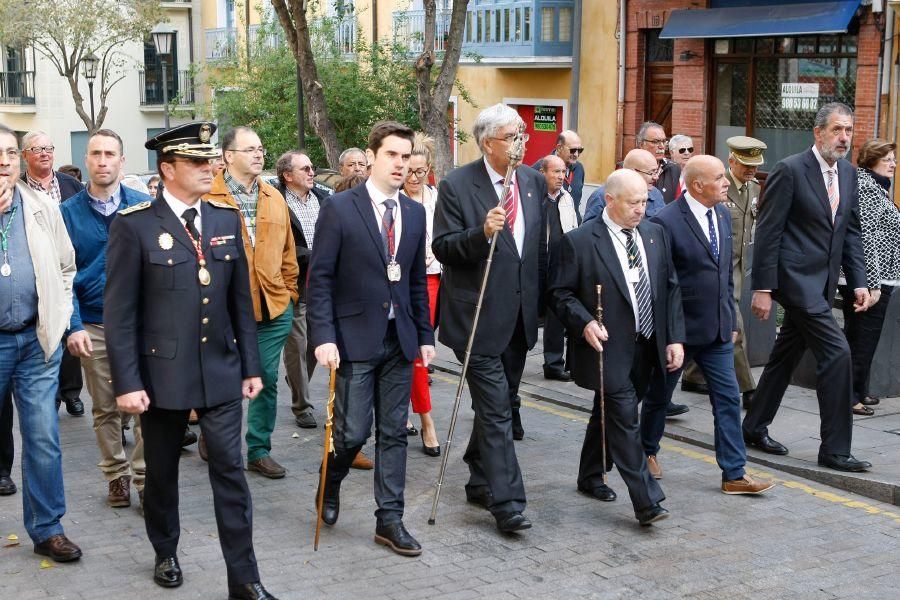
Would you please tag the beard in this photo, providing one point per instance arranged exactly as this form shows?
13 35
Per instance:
832 153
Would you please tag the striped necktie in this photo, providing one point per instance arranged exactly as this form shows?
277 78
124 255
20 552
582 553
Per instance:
641 286
510 205
833 197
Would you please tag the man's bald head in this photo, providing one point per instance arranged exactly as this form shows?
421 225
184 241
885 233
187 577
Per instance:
626 198
704 178
569 147
644 163
554 170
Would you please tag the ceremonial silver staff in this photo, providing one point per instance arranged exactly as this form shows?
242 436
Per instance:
515 153
602 395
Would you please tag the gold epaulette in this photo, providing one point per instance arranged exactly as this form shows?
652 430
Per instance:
220 204
135 208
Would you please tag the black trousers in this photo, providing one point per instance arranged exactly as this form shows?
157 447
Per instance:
70 381
163 431
834 382
491 453
554 343
623 434
378 390
7 447
863 331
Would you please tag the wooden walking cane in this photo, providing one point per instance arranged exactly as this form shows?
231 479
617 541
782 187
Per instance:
328 448
602 395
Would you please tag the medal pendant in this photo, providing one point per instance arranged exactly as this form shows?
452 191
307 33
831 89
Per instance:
393 271
5 270
203 276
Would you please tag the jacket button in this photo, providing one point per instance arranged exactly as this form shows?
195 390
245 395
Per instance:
385 305
234 340
206 301
203 340
205 320
170 261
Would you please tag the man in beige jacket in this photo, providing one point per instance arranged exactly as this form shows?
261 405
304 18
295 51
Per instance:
37 267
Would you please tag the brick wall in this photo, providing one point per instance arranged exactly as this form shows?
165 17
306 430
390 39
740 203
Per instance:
869 48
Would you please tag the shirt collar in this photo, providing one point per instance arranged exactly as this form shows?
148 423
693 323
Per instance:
378 197
34 183
237 185
698 209
494 175
822 164
16 200
115 197
177 206
301 199
613 226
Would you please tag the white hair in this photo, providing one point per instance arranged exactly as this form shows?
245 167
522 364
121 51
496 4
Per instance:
491 120
134 182
679 140
26 140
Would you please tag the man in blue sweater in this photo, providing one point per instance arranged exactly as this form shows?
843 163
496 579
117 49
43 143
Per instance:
88 216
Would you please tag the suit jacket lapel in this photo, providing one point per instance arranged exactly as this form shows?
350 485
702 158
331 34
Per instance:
610 258
407 246
651 249
724 257
487 195
844 188
173 224
363 204
695 227
814 176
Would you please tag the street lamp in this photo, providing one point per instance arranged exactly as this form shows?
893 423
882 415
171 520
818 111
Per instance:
164 39
89 65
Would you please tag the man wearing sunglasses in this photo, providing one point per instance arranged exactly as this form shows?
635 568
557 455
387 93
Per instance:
569 148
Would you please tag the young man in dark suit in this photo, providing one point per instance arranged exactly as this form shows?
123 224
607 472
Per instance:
807 229
181 335
698 227
367 306
469 211
641 339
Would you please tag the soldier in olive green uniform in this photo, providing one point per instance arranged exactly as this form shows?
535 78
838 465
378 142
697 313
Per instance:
745 158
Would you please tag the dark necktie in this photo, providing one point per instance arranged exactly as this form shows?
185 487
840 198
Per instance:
189 215
641 287
713 240
387 225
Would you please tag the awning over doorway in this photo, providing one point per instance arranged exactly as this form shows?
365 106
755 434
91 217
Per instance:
761 20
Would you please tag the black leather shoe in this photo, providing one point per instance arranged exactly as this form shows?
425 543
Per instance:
397 538
249 591
651 515
75 407
167 572
331 503
673 410
766 444
481 496
747 399
189 438
694 388
431 450
511 522
517 430
870 400
844 463
306 421
602 492
557 375
7 486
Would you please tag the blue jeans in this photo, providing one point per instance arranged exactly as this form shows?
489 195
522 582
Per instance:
34 379
716 361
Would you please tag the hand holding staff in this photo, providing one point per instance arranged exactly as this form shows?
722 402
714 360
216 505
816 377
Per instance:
328 448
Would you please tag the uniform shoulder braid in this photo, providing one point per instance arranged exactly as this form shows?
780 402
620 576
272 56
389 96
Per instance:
220 204
135 208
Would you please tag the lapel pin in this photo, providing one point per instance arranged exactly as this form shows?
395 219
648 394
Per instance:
529 194
165 241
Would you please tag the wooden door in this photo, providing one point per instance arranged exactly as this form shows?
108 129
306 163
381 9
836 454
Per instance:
658 76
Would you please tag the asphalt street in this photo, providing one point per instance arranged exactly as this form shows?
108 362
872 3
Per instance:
801 540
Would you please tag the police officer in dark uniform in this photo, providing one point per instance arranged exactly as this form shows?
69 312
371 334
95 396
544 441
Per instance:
181 335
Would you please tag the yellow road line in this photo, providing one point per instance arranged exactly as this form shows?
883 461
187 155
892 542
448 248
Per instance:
710 459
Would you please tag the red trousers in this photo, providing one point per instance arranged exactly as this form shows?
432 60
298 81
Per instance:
420 394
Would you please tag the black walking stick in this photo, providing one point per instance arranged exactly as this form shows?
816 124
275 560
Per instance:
602 395
516 152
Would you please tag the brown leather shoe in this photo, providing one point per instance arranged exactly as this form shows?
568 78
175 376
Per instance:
653 466
362 462
119 492
59 548
267 467
746 485
201 448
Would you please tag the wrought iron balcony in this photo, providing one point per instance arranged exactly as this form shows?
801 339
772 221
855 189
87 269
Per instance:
525 31
220 43
180 86
17 87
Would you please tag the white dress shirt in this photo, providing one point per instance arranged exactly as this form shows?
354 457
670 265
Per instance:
825 168
379 208
519 226
699 211
619 241
178 207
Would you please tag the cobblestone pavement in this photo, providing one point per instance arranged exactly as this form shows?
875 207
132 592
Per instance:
802 540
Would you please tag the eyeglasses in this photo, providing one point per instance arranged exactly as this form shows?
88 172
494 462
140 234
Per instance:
256 150
576 150
419 173
509 138
11 153
306 169
650 174
40 149
659 142
688 150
